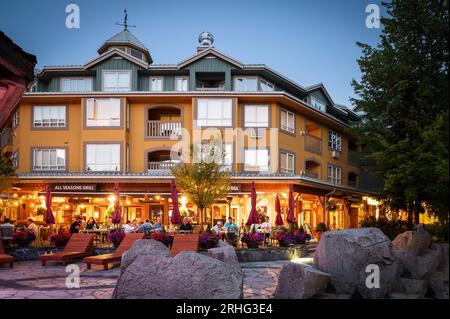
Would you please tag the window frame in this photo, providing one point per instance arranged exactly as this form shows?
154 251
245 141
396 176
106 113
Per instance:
331 142
15 119
85 164
33 118
333 178
268 106
286 130
287 153
48 148
196 115
90 78
235 78
324 105
150 83
268 83
96 127
130 73
187 83
259 171
14 158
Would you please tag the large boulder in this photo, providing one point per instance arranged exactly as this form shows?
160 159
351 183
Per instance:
346 255
300 281
444 265
417 240
226 253
143 247
188 275
414 287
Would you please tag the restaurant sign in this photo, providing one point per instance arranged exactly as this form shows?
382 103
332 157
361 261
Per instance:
74 187
235 188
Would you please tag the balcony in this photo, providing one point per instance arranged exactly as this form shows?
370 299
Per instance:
313 144
311 174
354 157
163 129
161 166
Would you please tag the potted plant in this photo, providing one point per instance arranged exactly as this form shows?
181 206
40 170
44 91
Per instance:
116 237
40 211
285 238
60 239
23 238
321 227
252 239
208 239
301 236
163 237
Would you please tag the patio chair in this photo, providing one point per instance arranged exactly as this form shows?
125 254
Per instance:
183 242
4 258
79 245
116 256
6 235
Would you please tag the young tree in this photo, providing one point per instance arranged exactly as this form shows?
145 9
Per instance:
403 93
205 178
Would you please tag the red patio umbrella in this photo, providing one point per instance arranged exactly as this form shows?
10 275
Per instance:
290 217
49 218
116 218
175 218
253 217
278 220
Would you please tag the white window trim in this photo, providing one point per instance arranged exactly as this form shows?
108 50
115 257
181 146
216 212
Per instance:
268 84
187 83
15 119
98 144
338 137
77 78
50 127
334 178
87 125
150 83
14 159
209 119
324 106
286 169
104 72
57 168
257 105
287 129
245 77
257 149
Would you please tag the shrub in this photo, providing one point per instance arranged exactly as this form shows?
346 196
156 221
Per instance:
251 239
163 237
61 239
208 239
116 237
23 238
391 228
321 227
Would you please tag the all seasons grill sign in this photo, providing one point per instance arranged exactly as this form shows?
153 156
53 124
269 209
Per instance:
74 187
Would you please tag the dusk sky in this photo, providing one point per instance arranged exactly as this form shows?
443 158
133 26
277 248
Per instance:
307 41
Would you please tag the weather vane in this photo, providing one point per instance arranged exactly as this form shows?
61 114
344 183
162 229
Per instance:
125 21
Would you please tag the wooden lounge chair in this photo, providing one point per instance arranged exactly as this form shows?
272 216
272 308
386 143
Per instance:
79 245
4 258
184 242
116 256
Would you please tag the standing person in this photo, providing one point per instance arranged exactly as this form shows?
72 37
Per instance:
75 226
91 224
232 229
266 228
32 228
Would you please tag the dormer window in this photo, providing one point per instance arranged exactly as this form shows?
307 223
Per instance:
76 84
117 81
317 104
245 84
266 86
181 83
137 54
156 83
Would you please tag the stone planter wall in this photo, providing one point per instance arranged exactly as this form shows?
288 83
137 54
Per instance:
271 253
32 253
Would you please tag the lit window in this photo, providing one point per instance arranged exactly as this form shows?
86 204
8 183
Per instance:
245 84
287 121
256 116
214 112
103 157
49 159
116 81
156 84
334 174
49 116
181 83
317 104
334 141
256 160
287 161
266 86
76 84
103 112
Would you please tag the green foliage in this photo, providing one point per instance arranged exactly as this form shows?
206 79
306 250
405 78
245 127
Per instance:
404 94
5 174
391 228
40 211
438 230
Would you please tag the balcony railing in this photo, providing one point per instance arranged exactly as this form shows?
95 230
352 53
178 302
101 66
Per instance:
354 157
313 144
160 166
211 89
6 138
311 174
163 129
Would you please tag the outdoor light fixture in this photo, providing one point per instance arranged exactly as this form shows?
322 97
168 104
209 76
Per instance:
112 199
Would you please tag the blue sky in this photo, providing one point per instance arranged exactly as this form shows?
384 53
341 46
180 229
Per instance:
307 41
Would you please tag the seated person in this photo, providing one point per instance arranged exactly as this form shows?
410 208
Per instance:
32 228
158 225
217 227
186 224
91 224
128 228
75 226
231 226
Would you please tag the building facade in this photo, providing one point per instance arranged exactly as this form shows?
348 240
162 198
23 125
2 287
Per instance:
122 118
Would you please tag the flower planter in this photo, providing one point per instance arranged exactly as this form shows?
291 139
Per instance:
252 245
284 243
22 243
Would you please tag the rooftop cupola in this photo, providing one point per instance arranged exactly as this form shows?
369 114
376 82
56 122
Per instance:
206 40
127 42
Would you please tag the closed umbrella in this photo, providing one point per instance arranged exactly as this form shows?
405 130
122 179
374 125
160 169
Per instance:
278 220
175 218
290 217
253 217
49 218
116 218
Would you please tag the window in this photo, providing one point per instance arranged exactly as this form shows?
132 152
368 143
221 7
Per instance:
15 160
114 81
266 86
103 112
15 119
204 150
128 115
214 112
103 157
317 104
245 84
256 160
256 116
287 121
128 158
287 161
53 159
334 174
181 83
49 116
156 84
76 84
137 54
334 141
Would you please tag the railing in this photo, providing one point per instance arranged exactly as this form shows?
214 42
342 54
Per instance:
163 129
211 89
311 174
354 157
160 166
6 138
313 144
